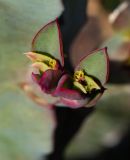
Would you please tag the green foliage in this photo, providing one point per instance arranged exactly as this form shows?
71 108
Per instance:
106 125
19 22
48 41
22 133
96 64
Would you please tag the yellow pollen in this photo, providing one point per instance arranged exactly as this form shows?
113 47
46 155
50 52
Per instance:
52 63
79 75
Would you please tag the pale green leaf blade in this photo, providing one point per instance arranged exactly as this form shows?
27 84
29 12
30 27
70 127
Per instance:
96 64
48 40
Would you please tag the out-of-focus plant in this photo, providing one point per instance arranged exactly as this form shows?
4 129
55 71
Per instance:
108 25
83 87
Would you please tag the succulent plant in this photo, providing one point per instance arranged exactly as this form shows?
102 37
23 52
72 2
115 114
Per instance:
81 88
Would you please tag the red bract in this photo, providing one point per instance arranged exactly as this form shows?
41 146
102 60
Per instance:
48 80
85 87
67 92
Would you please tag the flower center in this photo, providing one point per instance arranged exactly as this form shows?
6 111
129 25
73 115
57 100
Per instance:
84 82
53 63
79 76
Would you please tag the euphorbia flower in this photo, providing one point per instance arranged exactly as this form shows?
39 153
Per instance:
84 87
84 82
46 57
49 71
87 83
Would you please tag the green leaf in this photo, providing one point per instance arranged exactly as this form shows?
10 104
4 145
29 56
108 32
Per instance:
110 119
114 43
25 128
48 40
19 22
96 64
118 45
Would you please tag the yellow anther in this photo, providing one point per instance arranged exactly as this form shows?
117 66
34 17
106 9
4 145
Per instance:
79 75
52 63
85 83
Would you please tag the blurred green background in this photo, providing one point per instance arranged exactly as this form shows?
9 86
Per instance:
25 128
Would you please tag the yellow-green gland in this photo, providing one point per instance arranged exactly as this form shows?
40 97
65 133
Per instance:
85 83
42 62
